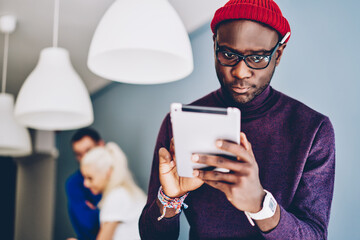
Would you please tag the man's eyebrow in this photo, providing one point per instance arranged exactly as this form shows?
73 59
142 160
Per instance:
258 51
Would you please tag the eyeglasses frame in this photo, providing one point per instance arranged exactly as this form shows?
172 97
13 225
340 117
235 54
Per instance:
243 57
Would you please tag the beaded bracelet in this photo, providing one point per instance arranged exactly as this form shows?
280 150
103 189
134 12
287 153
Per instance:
168 202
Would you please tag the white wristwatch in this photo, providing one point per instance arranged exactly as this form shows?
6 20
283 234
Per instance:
267 211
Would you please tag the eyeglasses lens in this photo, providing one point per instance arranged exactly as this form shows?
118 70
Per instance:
253 61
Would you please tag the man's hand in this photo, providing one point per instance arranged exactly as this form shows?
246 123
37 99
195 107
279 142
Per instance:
241 185
90 205
173 185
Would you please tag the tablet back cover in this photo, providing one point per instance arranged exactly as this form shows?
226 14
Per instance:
196 129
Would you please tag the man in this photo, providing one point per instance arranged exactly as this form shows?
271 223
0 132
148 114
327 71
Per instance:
82 203
281 185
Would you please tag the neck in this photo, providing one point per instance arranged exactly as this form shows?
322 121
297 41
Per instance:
254 108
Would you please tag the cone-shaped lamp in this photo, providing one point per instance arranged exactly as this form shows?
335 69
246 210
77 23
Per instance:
53 97
141 42
14 138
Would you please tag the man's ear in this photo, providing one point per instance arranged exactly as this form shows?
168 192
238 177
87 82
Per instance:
279 53
214 38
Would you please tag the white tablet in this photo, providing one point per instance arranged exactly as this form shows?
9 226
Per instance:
195 130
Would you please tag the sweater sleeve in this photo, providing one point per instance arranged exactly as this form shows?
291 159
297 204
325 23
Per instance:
149 226
308 215
85 221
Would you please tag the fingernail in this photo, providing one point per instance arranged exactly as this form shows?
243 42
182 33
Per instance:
219 143
244 136
195 157
196 173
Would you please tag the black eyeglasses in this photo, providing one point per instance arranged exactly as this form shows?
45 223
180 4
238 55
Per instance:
254 61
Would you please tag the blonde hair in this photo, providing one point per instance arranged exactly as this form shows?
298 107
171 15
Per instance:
112 157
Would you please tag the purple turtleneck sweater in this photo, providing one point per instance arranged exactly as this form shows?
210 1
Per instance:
294 147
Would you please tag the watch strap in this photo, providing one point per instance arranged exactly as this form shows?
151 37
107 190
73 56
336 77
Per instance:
267 211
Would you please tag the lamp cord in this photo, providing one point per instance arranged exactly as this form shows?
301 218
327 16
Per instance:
56 23
4 72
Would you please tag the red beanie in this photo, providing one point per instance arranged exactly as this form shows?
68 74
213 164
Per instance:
263 11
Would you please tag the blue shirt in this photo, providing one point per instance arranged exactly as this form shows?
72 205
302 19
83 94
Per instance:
85 220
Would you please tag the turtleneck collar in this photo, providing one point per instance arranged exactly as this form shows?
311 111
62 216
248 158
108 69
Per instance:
256 107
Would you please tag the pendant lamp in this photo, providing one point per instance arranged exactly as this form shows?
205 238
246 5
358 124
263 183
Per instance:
141 42
53 97
14 138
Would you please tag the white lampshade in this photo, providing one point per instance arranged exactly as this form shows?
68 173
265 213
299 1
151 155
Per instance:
53 97
14 138
141 42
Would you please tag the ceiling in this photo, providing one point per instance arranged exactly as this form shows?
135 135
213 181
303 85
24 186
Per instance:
77 23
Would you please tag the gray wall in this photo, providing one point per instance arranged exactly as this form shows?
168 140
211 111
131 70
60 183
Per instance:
35 197
320 67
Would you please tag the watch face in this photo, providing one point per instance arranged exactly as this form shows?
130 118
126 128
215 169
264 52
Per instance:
272 205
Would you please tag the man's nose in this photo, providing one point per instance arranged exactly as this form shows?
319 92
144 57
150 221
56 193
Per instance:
241 70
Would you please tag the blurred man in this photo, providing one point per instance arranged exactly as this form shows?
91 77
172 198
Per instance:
84 214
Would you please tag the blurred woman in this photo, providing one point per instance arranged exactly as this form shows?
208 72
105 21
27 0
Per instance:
105 171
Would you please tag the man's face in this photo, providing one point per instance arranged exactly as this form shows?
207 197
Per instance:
246 38
84 145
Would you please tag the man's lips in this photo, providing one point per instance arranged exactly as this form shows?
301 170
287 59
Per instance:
240 90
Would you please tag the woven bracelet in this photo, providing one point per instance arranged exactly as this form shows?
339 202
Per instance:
168 202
